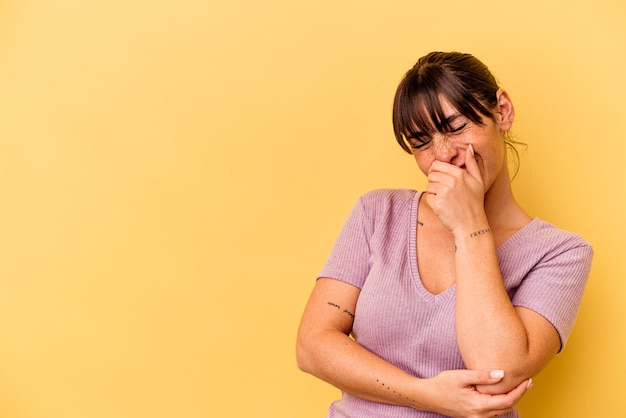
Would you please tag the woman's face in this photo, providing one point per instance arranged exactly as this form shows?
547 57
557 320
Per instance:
487 141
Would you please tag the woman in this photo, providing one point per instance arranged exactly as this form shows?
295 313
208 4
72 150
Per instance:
444 302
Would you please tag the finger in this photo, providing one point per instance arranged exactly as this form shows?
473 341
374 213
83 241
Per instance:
484 377
441 166
516 394
470 162
432 188
437 177
505 403
522 387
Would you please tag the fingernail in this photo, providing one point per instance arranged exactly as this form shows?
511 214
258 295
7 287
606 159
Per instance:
496 374
530 384
471 148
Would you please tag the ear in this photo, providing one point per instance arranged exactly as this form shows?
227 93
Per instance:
505 112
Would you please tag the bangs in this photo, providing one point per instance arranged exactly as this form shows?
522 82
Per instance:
419 110
417 105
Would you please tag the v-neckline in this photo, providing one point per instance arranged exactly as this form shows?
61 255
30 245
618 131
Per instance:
450 292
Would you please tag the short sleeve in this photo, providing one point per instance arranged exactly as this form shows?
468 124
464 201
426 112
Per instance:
554 287
349 259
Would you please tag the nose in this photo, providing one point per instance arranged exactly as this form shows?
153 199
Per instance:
444 149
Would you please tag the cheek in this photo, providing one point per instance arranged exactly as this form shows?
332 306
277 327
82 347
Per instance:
424 160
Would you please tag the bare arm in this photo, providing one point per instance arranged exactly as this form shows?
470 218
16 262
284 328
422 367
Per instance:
325 350
491 332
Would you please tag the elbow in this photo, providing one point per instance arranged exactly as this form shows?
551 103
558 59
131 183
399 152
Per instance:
511 381
310 353
517 369
514 374
303 355
301 359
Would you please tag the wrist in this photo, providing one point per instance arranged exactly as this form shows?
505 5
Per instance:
417 395
473 237
431 391
472 230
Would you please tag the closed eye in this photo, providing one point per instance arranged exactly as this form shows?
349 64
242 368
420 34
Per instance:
419 141
459 129
415 145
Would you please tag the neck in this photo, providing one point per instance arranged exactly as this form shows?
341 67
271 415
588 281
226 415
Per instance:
501 208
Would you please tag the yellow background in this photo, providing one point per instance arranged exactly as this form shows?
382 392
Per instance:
174 173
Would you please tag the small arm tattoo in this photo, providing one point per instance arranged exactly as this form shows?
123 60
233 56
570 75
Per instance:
347 312
400 395
480 232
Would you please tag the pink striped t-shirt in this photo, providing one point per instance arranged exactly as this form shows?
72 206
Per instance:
544 269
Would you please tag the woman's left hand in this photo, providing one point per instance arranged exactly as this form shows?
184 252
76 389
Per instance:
457 194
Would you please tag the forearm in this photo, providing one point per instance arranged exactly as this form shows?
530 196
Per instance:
340 361
489 330
337 359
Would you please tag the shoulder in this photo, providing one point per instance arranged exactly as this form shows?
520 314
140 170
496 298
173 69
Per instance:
388 197
387 209
555 237
547 271
545 240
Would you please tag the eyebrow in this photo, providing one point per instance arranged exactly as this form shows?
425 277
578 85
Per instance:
416 135
450 119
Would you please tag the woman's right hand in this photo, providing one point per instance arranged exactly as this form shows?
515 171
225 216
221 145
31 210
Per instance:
454 394
325 350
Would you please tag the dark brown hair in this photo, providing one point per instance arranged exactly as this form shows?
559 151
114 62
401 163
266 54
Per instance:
462 79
